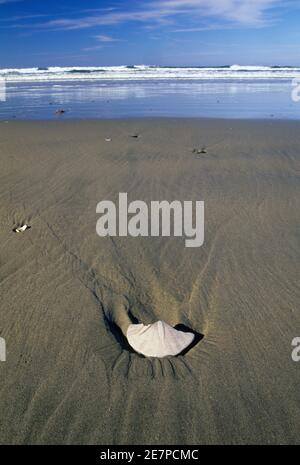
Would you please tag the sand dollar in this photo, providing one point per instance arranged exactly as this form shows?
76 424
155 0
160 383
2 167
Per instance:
158 339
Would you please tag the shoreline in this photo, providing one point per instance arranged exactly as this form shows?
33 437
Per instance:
149 118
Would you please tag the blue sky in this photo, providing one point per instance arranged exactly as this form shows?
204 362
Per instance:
162 32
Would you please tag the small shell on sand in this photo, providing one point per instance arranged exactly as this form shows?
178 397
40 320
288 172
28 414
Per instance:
158 339
21 228
108 139
201 151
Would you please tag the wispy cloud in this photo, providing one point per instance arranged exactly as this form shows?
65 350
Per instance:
183 15
9 1
95 47
241 11
105 38
23 17
245 12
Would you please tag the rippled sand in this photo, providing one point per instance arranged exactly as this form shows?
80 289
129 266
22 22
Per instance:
69 377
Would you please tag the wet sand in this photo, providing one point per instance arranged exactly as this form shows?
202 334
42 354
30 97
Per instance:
69 377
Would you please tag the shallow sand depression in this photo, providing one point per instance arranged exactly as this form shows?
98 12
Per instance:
69 377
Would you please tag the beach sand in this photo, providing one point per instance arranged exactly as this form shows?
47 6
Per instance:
68 378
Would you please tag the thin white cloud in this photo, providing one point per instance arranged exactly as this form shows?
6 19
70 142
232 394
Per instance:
235 12
9 1
95 47
22 17
241 11
210 27
106 19
105 38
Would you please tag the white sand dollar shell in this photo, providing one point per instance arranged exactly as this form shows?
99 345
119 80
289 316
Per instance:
21 228
158 339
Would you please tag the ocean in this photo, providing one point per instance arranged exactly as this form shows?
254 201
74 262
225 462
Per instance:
148 91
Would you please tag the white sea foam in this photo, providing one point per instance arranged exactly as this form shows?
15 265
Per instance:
142 72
